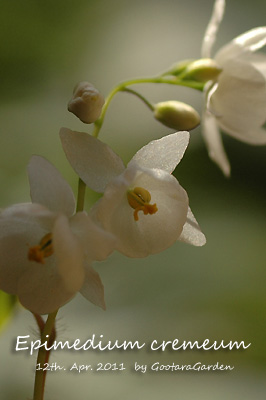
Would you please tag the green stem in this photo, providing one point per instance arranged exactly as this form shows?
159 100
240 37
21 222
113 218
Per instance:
42 357
123 87
81 195
151 107
99 122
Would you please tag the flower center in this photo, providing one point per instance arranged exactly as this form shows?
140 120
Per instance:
139 199
43 249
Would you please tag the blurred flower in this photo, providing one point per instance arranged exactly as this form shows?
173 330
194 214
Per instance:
46 251
143 205
176 115
86 102
236 100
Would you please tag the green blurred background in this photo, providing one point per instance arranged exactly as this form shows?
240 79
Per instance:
215 292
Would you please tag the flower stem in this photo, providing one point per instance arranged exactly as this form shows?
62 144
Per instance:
43 355
151 107
123 87
81 195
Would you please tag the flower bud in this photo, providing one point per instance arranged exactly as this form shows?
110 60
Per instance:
86 102
202 70
176 115
179 67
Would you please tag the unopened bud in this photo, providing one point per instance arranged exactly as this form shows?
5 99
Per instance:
86 103
176 115
179 67
202 70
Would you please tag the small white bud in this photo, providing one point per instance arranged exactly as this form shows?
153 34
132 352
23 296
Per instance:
86 103
202 70
176 115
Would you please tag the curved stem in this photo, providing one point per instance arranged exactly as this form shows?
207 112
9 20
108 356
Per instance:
99 122
151 107
123 87
43 356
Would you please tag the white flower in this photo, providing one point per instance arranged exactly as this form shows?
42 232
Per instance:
46 251
236 102
86 103
143 205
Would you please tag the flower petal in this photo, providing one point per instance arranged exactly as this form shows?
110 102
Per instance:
94 162
69 255
254 137
97 243
41 289
252 40
258 60
212 28
249 41
214 143
151 233
240 98
48 187
191 231
164 153
17 234
92 288
29 212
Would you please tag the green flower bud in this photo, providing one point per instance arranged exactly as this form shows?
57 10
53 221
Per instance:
179 67
202 70
176 115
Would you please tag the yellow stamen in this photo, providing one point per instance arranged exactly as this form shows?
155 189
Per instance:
139 199
43 249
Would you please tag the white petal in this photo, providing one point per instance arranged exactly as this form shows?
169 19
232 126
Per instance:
214 143
30 213
69 255
16 236
240 98
254 137
151 233
164 153
27 211
212 28
252 40
92 288
41 289
47 187
97 243
191 231
94 162
249 41
258 60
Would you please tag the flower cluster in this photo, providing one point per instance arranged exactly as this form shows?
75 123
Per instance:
48 248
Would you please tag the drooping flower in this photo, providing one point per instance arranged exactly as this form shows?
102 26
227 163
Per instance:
46 251
236 101
86 103
143 205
